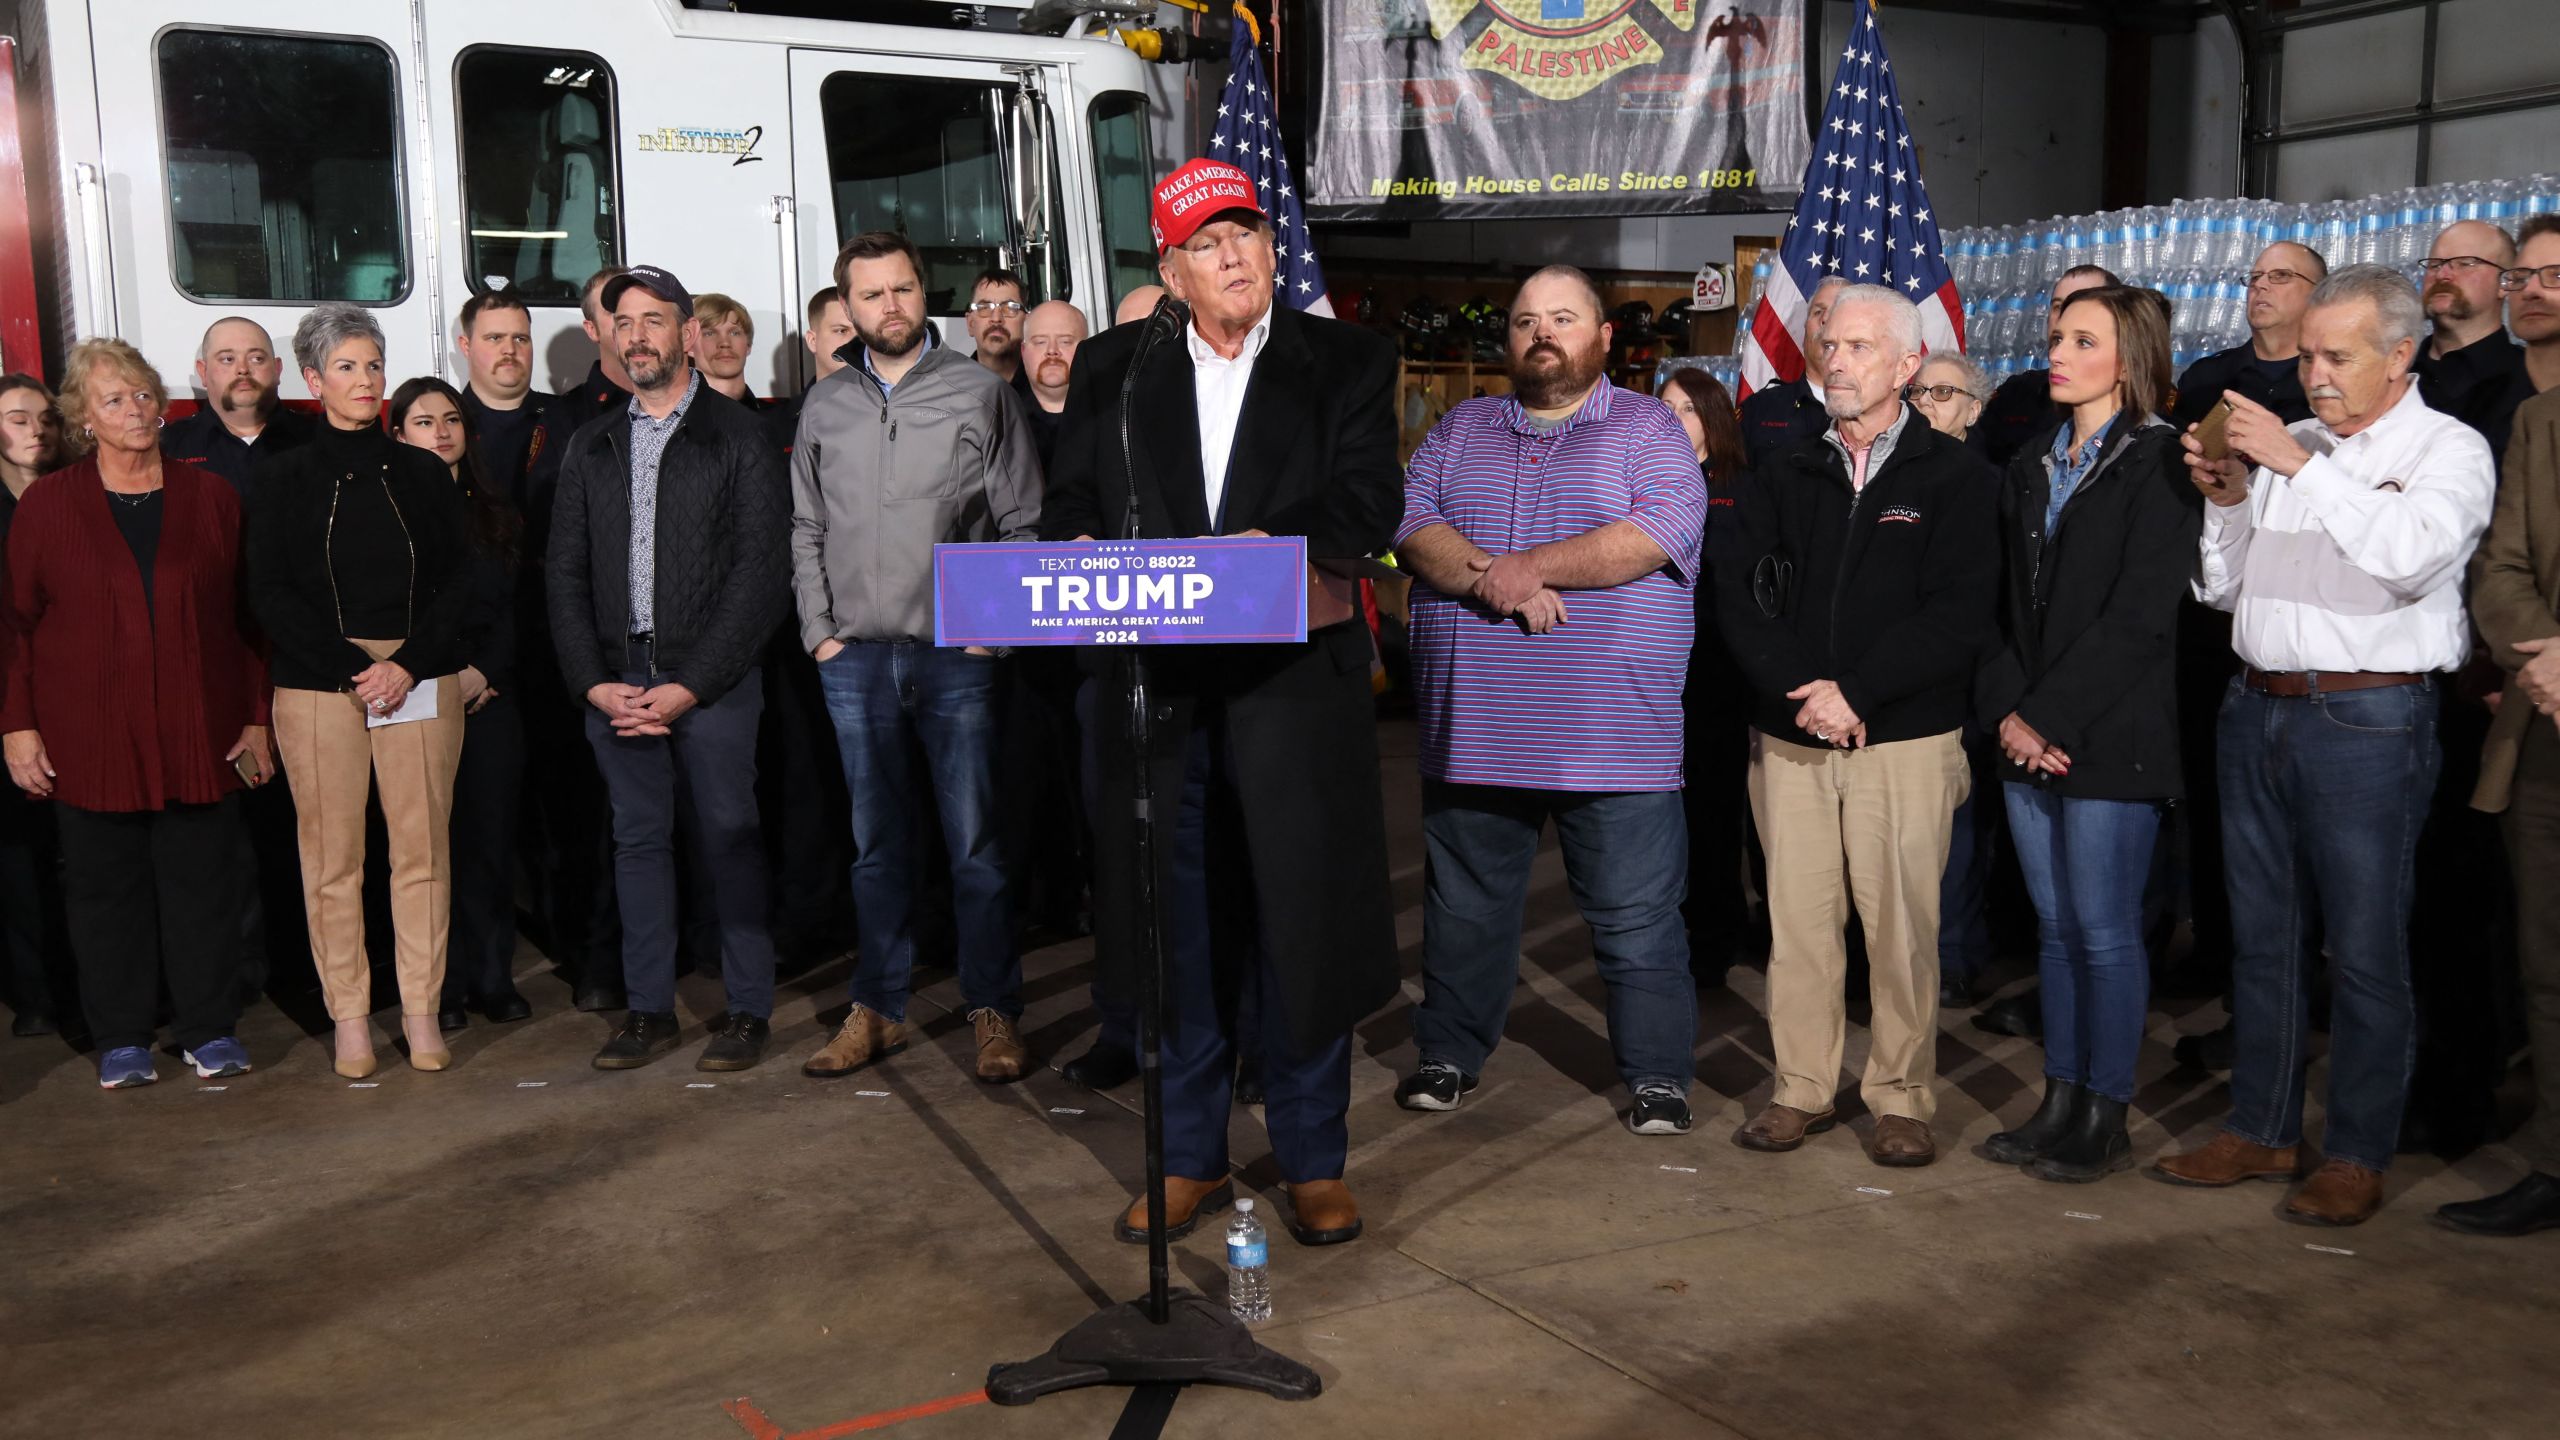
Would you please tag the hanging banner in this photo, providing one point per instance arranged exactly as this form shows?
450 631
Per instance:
1504 109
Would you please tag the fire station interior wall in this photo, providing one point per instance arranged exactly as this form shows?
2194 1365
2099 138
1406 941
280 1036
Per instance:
2374 64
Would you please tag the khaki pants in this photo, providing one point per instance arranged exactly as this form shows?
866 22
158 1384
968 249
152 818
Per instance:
332 760
1871 827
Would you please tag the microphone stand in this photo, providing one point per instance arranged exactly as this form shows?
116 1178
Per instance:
1169 1338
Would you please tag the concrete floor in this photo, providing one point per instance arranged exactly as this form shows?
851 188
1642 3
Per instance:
525 1246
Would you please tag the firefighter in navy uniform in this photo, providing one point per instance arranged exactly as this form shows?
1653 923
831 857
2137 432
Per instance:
1777 416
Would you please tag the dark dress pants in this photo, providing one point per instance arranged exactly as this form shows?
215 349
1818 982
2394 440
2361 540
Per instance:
154 896
487 800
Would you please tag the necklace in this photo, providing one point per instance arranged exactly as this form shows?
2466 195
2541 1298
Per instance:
135 501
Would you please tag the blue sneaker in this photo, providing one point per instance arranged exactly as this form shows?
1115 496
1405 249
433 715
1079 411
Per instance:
126 1067
216 1058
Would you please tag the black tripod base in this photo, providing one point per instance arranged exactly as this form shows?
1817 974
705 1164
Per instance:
1199 1343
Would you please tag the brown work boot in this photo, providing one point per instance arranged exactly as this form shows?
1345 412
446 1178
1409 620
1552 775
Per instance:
1001 1055
866 1035
1781 1128
1185 1201
1322 1212
1901 1141
2226 1159
2340 1192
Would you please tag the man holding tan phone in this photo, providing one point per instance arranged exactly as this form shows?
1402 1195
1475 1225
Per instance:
2338 545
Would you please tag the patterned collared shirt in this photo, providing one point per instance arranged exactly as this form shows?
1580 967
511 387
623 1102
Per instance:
649 438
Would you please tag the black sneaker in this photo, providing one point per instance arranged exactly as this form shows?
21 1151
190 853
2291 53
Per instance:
644 1036
1437 1085
737 1043
1660 1110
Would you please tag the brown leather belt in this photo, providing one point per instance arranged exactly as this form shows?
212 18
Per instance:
2293 684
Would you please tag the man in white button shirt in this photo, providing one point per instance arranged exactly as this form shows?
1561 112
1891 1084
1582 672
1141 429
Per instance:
2340 556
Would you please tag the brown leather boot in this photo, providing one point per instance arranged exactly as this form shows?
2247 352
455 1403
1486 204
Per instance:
1780 1128
1001 1055
1185 1201
1901 1141
2340 1192
1322 1212
2226 1159
866 1035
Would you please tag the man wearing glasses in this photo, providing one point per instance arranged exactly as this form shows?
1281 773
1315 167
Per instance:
2468 368
2533 300
2266 369
996 310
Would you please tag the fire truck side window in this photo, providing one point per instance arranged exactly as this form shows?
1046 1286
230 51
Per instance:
284 170
920 156
1126 178
540 187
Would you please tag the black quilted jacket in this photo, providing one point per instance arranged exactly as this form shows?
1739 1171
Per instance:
723 540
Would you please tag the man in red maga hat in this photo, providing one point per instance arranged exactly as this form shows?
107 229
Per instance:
1255 419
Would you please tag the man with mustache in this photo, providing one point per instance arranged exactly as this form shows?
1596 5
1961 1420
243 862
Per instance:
1856 576
1777 416
2469 368
239 424
495 337
1050 335
995 320
666 572
2339 545
907 446
1575 510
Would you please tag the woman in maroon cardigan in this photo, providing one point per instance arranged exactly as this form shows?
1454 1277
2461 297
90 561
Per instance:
134 702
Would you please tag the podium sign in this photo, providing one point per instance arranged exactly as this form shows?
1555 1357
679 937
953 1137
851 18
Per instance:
1225 590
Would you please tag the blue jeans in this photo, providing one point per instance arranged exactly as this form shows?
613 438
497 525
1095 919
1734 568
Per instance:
2322 800
2085 863
1626 857
883 697
712 755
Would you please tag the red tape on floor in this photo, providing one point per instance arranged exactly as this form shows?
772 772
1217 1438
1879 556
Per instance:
757 1425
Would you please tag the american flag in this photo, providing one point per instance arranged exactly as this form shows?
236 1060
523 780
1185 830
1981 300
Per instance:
1863 216
1248 137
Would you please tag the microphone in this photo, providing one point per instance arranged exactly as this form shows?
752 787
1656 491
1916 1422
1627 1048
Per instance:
1167 319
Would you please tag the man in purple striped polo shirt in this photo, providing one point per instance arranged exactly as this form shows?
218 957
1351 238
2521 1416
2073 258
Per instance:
1554 536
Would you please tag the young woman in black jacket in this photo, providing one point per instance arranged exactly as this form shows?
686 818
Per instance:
2099 527
356 571
479 972
1717 717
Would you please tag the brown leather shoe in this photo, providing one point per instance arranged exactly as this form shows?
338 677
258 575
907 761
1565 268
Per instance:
865 1036
1781 1128
1322 1212
1185 1201
1001 1055
2226 1159
2340 1192
1901 1141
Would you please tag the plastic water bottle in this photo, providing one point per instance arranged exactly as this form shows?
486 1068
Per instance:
1248 1266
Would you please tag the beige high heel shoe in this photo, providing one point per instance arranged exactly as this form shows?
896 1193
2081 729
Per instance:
353 1055
430 1053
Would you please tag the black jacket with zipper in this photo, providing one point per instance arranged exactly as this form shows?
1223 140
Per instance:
723 536
2090 613
289 580
1892 589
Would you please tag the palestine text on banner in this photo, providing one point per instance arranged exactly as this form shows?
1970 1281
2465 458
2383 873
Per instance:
1219 590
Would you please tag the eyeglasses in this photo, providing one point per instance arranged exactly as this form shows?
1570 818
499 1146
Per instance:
1936 394
2459 264
995 307
2516 279
2277 277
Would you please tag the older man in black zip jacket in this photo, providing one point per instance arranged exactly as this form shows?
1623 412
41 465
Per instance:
1856 577
668 570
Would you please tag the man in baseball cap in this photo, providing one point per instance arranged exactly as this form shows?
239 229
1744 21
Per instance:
654 280
1198 193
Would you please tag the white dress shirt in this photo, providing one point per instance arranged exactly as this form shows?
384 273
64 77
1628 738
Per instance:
1217 385
2356 562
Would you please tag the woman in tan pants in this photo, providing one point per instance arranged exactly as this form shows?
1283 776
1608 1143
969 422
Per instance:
356 549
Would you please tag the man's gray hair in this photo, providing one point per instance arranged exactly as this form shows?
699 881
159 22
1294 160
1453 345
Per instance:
1902 318
329 326
2403 316
1977 381
204 347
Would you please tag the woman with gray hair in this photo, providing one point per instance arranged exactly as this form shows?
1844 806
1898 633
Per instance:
1949 392
356 555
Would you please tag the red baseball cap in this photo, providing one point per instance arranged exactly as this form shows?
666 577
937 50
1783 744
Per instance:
1196 194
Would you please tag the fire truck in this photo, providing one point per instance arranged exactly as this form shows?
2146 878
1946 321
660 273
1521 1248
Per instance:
176 161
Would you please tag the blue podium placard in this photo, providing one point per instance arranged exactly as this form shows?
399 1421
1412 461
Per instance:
1225 590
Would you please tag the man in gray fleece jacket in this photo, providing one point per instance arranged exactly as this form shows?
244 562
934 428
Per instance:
907 446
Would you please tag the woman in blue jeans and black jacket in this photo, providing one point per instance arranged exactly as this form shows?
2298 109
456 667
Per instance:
2099 526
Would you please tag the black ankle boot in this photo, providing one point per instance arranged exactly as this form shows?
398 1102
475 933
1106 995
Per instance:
2042 1131
2095 1148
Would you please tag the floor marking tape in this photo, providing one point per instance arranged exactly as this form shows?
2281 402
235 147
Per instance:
1871 1190
759 1426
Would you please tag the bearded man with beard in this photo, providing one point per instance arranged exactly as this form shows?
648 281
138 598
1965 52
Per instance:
239 426
667 568
909 445
1856 578
2470 368
1555 534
